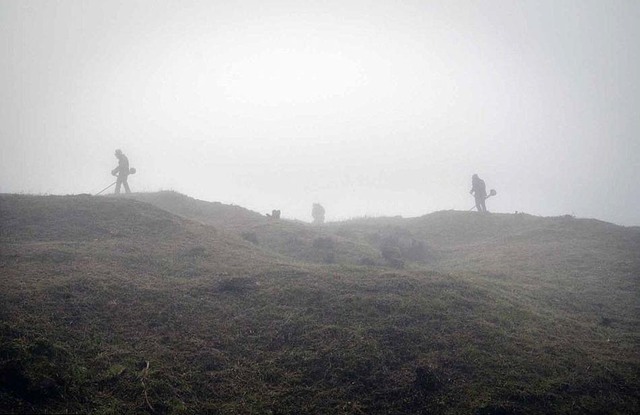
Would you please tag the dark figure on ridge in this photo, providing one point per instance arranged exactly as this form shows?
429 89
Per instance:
318 214
122 171
479 191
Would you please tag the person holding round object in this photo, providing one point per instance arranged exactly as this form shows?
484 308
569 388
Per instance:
122 171
479 192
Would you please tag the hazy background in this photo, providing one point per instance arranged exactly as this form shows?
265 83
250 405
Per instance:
368 107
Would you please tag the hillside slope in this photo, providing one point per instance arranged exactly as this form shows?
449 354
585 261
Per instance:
467 237
559 262
117 227
447 240
111 305
229 217
584 268
296 240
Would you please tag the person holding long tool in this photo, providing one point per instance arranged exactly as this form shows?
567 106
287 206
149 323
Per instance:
122 171
479 191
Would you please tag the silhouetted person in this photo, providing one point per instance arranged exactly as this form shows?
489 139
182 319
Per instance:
318 214
479 191
122 171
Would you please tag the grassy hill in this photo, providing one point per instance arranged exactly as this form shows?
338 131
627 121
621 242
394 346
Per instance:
296 240
163 304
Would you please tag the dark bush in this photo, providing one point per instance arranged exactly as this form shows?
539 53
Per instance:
323 243
236 284
250 236
393 256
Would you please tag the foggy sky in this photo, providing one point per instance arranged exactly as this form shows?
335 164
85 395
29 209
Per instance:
368 107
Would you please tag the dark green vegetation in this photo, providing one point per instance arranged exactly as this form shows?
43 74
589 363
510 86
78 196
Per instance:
163 304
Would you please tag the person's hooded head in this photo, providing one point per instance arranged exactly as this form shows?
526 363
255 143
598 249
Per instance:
118 153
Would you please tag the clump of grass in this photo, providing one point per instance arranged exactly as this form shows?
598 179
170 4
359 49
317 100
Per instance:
250 236
237 285
35 371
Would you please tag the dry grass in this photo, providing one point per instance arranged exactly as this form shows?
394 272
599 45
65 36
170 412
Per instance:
114 306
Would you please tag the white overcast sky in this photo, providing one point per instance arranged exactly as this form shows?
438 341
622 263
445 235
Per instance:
368 107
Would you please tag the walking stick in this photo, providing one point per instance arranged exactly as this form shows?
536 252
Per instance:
131 171
106 188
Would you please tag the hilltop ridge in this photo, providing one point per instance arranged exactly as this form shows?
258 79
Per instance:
114 304
117 227
213 213
439 239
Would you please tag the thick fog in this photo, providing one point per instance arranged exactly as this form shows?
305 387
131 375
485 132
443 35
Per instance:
368 107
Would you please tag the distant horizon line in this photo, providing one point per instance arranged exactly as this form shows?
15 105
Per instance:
337 220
